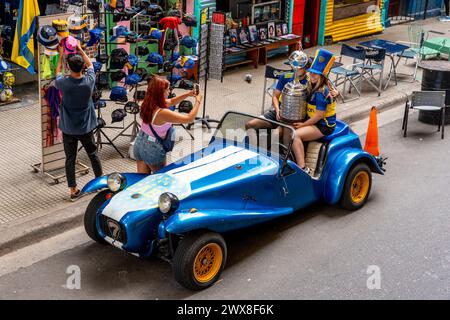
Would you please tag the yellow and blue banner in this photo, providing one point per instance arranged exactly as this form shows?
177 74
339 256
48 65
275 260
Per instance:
23 46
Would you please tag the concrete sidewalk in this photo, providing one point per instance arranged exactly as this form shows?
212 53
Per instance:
30 207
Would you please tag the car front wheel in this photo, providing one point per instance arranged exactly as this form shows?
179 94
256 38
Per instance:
199 260
357 187
90 217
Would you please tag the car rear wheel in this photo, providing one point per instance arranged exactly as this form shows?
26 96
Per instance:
90 217
357 187
199 260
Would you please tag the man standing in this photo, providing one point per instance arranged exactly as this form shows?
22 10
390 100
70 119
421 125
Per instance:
77 114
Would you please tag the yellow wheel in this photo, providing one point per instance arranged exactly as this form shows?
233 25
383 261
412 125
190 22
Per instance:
208 262
357 187
199 260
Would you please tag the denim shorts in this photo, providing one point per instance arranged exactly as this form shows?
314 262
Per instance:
148 150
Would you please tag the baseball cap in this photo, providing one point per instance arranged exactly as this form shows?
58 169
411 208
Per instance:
155 33
132 79
118 31
119 94
155 58
95 37
188 42
117 75
131 107
118 115
97 66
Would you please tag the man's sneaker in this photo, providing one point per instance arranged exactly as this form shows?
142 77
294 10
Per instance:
75 196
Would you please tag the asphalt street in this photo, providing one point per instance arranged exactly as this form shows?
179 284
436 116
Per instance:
323 252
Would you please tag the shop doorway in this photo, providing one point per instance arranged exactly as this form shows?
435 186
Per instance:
399 12
311 23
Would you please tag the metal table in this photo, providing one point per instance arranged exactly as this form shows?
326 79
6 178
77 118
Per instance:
392 49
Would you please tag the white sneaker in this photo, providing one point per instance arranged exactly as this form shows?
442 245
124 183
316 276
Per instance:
307 170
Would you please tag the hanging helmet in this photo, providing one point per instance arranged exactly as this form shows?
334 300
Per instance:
9 79
6 94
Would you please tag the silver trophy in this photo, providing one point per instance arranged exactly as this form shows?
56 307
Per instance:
294 94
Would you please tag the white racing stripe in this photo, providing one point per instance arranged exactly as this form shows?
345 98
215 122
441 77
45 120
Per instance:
217 155
214 167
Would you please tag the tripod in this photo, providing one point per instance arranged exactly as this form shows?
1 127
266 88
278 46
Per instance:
171 94
98 132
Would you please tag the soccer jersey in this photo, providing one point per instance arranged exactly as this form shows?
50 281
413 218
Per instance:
319 101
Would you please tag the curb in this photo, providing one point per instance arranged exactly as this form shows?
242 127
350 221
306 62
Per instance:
35 229
66 217
383 105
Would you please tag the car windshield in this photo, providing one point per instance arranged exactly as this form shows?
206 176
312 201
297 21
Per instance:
257 133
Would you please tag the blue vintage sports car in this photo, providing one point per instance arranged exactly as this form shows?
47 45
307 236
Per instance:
242 178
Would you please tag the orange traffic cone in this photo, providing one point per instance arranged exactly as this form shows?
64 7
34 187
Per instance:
371 145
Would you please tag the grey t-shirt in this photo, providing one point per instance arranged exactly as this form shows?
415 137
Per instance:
77 113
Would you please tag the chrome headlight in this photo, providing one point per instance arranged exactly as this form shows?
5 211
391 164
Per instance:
116 182
168 202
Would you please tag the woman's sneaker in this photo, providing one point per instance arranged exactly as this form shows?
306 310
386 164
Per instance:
307 170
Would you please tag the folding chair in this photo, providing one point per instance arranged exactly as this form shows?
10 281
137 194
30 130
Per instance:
417 36
349 72
274 74
374 65
426 101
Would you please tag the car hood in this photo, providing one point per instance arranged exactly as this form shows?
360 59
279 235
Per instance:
197 173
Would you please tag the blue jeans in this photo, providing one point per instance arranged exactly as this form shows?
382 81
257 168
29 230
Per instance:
147 149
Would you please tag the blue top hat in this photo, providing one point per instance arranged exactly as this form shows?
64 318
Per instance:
323 62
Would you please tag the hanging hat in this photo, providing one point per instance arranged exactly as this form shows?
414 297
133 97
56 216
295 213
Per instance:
77 24
102 58
62 27
118 94
174 78
97 66
133 60
94 5
118 31
323 62
117 75
131 107
175 56
142 73
132 79
95 36
69 45
142 51
188 42
174 13
185 106
118 115
47 36
114 5
189 20
155 58
155 34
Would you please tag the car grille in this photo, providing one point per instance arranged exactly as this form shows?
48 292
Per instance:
113 229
